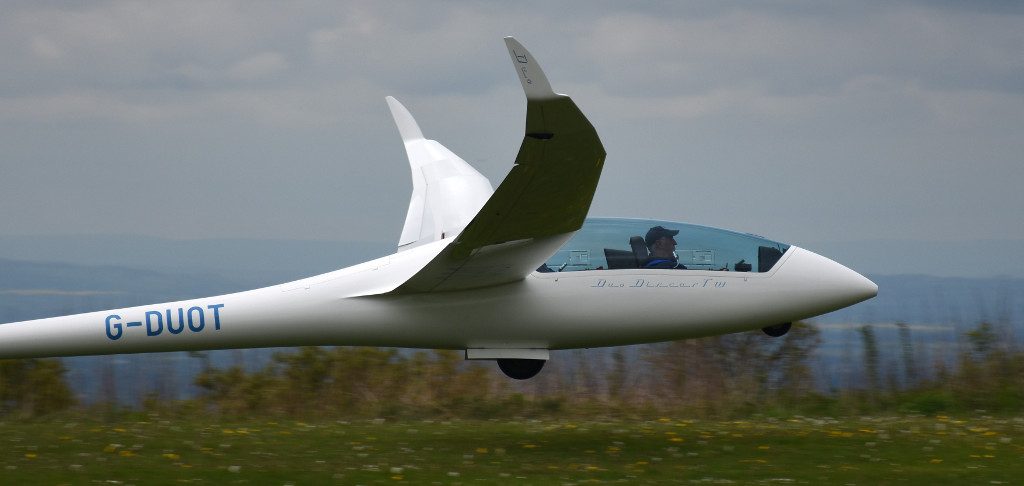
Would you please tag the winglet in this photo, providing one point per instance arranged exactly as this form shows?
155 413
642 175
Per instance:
535 83
407 126
446 191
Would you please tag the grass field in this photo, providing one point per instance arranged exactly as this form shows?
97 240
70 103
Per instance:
904 450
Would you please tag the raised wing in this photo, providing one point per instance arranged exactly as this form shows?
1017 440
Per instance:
540 204
446 191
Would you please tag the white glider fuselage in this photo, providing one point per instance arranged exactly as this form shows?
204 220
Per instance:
351 306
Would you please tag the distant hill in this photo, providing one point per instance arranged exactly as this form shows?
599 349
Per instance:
254 262
968 258
923 299
32 290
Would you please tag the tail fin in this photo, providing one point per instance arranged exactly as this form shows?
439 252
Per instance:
446 191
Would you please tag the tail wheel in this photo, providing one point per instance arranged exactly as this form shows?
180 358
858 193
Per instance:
520 369
777 330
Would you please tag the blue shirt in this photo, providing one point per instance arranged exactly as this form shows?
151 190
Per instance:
666 263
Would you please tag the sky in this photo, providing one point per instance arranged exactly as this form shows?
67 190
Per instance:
801 121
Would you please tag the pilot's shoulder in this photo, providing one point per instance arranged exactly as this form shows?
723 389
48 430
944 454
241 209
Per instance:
662 263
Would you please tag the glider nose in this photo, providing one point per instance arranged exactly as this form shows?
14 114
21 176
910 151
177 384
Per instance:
826 283
864 287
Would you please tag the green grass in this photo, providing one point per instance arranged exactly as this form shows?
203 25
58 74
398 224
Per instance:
905 450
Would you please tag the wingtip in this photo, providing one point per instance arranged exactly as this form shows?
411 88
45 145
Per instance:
531 76
407 126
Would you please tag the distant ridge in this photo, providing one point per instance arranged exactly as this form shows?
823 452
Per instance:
969 258
258 262
20 275
33 290
923 299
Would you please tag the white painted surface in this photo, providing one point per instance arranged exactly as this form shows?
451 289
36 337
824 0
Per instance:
545 311
446 191
535 82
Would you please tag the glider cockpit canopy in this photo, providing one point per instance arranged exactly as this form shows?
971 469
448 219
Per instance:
617 243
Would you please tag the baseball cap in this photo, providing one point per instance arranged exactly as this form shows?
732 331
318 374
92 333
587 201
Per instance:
658 232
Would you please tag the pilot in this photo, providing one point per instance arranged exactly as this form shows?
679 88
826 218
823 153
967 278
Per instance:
662 245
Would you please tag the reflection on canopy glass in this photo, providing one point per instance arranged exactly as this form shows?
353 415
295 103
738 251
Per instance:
615 243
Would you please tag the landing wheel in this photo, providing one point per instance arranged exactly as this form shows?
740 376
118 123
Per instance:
777 330
520 369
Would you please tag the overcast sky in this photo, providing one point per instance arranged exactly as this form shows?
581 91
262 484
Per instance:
801 121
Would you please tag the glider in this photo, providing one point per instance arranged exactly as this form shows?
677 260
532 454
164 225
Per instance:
504 274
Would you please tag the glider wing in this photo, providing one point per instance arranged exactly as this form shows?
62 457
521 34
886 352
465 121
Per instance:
540 204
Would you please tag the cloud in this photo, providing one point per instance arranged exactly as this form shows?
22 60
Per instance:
658 53
259 68
817 52
802 120
45 49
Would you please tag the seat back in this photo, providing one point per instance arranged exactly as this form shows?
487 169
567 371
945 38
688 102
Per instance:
640 250
620 259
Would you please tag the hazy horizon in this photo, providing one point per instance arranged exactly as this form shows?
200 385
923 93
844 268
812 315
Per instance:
285 258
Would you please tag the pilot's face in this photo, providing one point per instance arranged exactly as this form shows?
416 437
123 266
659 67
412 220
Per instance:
665 243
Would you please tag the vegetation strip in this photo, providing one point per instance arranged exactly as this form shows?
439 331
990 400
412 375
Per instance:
799 450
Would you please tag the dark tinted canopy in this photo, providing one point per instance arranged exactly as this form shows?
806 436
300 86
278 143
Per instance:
617 243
